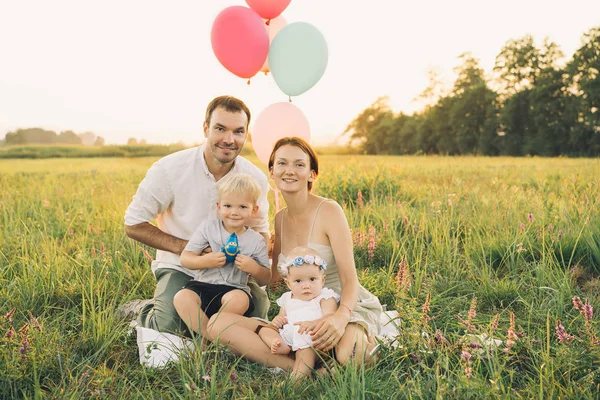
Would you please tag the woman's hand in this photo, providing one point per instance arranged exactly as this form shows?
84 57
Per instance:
326 331
307 326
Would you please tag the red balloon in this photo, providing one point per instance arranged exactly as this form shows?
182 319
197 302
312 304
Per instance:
240 41
268 9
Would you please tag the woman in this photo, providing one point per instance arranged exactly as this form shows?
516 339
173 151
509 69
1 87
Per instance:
318 223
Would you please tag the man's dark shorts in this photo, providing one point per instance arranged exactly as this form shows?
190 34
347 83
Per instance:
211 295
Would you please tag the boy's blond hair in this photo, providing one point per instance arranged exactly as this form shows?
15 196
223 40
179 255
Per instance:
242 184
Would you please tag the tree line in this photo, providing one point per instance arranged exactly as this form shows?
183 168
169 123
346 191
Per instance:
531 105
48 137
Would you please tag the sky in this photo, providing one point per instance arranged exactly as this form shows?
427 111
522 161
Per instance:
146 69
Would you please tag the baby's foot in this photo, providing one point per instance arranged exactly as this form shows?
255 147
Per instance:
278 347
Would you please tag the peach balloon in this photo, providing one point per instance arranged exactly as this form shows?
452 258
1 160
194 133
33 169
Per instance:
268 9
273 28
275 122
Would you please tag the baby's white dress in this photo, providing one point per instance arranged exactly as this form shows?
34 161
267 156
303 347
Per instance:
301 310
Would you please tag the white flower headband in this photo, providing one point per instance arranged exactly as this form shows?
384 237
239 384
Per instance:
299 261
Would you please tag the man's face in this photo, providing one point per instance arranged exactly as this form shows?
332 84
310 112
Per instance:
226 134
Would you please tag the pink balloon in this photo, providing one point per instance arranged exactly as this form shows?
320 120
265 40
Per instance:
268 8
274 122
240 41
273 29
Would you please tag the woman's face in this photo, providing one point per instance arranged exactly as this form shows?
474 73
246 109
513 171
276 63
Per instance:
291 169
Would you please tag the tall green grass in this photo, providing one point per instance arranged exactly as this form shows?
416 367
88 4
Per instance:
499 236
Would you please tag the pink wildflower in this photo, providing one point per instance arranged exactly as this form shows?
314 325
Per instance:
359 199
495 321
425 311
24 331
469 372
562 334
530 217
465 355
511 334
403 277
206 378
11 333
577 303
372 241
472 310
521 227
588 311
146 254
8 316
33 321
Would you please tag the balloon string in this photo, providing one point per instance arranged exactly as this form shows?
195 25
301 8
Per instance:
268 22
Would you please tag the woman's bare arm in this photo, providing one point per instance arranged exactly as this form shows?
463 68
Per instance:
340 238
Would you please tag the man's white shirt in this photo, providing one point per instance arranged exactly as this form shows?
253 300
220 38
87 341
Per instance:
179 192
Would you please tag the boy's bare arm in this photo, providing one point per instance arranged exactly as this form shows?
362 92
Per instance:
193 260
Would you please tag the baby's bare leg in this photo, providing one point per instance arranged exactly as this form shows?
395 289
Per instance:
272 339
305 362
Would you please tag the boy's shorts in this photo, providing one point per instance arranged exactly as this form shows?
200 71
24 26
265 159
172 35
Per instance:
211 296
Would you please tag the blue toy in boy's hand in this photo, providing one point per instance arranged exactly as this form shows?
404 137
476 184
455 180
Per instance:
231 249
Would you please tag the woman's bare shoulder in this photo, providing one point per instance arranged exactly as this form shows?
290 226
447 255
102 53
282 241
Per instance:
331 211
330 205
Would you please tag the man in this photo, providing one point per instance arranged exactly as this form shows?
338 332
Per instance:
179 192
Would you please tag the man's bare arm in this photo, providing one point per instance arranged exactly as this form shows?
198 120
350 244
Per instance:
150 235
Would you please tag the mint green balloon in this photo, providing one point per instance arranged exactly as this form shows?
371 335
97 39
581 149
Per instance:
297 57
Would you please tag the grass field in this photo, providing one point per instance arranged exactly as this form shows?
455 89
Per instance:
493 247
